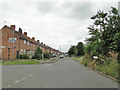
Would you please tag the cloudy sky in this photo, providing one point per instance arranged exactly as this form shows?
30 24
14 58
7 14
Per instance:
55 23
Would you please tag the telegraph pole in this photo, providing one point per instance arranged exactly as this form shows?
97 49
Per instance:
13 42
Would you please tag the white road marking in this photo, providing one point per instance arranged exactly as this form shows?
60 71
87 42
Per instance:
9 86
17 81
20 80
24 78
30 75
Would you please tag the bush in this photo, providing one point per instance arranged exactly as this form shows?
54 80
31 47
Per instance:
47 55
118 57
39 57
38 54
24 56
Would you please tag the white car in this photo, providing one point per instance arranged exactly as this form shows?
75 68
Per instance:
61 56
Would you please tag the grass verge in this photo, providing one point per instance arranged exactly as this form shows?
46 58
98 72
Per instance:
77 58
111 69
18 62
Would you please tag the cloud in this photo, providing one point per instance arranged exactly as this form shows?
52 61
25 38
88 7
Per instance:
58 24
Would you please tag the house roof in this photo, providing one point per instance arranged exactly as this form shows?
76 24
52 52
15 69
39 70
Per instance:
24 37
21 36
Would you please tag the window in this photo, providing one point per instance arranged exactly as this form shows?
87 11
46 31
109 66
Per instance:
11 40
0 52
28 43
21 51
24 51
31 44
24 41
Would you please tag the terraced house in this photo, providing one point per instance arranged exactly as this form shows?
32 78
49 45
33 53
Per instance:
14 43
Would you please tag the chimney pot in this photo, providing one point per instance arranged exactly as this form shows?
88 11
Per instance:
25 33
38 41
33 38
13 27
42 43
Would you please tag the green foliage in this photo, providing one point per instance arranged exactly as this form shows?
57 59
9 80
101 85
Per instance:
20 62
105 33
73 51
80 48
85 62
93 49
118 57
39 57
47 55
24 56
37 54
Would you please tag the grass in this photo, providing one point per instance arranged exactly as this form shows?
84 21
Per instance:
77 58
0 62
18 62
110 69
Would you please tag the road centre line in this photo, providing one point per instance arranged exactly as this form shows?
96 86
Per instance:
9 86
19 80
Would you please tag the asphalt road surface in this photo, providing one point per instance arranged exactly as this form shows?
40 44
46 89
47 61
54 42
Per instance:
65 73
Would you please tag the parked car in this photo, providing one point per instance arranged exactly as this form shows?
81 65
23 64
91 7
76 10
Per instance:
61 56
54 55
66 55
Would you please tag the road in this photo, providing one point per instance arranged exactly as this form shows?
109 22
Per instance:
65 73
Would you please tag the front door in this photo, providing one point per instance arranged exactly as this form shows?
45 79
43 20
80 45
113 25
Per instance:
8 53
17 54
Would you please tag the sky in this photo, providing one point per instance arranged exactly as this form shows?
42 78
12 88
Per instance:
57 23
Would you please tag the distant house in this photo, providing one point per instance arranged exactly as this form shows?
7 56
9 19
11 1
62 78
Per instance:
14 43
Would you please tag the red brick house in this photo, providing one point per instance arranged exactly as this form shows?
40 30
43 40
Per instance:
21 44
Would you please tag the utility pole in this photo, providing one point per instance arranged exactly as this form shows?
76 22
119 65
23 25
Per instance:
13 42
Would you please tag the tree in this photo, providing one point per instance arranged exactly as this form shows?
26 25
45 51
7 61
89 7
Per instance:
38 53
20 30
80 48
105 32
47 55
73 51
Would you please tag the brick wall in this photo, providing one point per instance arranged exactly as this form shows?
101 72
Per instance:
20 47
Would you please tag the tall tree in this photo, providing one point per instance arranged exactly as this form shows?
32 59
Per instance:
105 31
73 51
80 47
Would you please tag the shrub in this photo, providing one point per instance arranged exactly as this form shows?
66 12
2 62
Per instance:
38 54
33 57
39 57
118 57
24 56
47 55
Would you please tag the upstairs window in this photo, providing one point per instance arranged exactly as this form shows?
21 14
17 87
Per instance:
11 40
21 51
28 43
24 41
31 44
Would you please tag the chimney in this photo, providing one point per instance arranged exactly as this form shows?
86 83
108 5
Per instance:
25 33
42 43
33 38
38 41
13 27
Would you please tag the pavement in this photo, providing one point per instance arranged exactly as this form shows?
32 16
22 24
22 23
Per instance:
65 73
